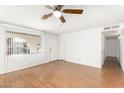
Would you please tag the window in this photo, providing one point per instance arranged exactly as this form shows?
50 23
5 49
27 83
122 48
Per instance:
21 43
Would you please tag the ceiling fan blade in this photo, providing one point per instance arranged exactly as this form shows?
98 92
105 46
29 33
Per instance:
62 19
50 7
46 16
73 11
58 7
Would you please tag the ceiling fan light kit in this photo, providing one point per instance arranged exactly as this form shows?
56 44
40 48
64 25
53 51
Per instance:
57 13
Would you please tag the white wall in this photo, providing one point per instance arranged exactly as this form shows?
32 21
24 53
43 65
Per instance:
102 49
122 53
122 46
83 47
2 46
122 49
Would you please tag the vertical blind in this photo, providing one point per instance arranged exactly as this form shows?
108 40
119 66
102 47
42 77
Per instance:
19 42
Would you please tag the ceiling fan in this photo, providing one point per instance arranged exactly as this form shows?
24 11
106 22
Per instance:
58 12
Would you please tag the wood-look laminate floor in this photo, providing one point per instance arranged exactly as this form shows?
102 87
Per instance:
65 74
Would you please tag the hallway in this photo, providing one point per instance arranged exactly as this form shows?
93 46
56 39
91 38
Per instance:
112 73
111 63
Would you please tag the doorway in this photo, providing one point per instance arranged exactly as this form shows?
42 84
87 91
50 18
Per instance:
111 51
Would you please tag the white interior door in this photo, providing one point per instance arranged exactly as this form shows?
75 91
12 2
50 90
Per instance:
53 48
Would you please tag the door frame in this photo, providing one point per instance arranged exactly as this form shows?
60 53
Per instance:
114 32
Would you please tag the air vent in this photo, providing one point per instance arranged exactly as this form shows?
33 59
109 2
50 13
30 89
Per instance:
107 28
115 26
111 27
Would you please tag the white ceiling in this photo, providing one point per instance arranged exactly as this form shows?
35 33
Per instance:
93 16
